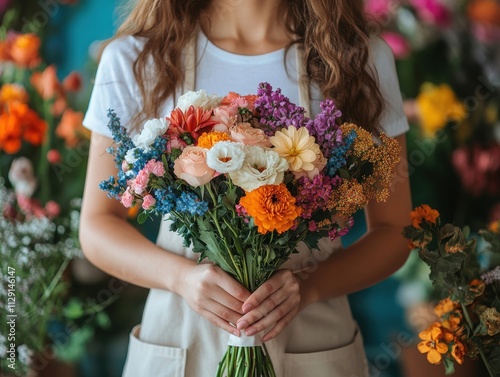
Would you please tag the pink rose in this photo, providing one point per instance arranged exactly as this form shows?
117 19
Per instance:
127 198
379 10
141 182
175 142
246 134
148 201
225 116
398 44
53 209
155 167
192 167
433 12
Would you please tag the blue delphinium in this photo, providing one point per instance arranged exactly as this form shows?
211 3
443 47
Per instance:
165 200
190 203
120 137
338 155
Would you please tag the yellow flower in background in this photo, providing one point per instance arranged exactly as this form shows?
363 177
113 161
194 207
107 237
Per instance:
13 93
297 147
434 343
438 105
208 139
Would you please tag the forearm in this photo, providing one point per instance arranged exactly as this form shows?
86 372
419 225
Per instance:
116 247
371 259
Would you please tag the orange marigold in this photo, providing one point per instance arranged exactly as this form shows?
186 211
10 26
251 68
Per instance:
13 93
445 306
24 50
434 343
272 208
424 212
208 139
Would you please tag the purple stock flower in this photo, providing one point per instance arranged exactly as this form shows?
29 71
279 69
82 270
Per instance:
324 127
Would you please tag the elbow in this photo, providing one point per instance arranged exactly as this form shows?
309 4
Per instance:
85 238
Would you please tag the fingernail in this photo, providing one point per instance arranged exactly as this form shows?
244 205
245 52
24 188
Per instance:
236 333
242 325
247 308
250 332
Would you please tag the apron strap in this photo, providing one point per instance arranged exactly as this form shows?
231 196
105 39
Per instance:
304 94
190 65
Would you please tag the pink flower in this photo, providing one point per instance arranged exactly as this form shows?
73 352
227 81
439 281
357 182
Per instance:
22 177
380 10
486 33
175 142
52 209
192 167
433 12
398 44
246 134
53 156
148 201
125 166
141 182
155 167
127 198
225 116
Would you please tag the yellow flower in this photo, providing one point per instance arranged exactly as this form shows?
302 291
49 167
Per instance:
208 139
433 343
437 106
445 306
13 93
424 212
458 352
297 147
272 208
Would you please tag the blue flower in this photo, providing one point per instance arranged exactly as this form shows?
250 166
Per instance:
190 203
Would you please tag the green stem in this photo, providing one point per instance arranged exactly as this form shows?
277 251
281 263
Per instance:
55 280
479 347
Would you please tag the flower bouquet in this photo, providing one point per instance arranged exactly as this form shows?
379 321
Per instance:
245 179
469 312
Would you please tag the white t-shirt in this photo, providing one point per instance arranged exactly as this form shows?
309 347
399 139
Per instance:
219 72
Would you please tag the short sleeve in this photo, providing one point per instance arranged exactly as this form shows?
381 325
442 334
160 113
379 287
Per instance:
115 86
393 120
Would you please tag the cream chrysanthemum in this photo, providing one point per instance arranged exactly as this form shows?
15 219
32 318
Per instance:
297 147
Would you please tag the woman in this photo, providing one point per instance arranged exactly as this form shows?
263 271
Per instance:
166 47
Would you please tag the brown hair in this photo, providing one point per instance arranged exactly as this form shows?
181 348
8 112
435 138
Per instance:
334 34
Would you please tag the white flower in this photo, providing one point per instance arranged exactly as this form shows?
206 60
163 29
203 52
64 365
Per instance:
152 129
261 167
25 354
22 177
198 99
225 157
129 156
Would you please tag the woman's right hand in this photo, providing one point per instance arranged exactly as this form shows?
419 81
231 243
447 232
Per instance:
215 295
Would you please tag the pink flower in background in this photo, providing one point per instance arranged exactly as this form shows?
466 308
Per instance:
53 156
380 10
4 5
433 12
52 209
398 44
486 33
22 177
148 201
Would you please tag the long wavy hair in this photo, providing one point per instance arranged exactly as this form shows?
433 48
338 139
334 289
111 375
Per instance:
334 35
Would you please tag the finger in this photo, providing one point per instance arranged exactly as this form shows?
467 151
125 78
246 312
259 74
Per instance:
219 322
232 287
222 312
279 326
261 293
220 295
263 310
276 315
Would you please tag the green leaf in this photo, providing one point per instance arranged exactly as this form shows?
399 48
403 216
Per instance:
102 320
449 366
141 219
74 309
343 173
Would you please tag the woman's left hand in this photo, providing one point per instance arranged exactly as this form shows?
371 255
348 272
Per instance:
276 302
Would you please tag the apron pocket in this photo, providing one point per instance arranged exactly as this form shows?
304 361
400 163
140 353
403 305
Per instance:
152 360
345 361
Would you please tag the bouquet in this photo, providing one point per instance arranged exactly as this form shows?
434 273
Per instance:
245 179
468 282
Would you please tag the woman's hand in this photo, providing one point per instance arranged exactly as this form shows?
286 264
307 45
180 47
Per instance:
215 295
276 302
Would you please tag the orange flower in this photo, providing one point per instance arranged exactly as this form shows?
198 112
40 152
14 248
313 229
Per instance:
494 226
24 50
10 133
233 97
13 93
4 51
485 12
70 128
208 139
194 121
424 212
458 352
34 128
433 343
445 306
46 83
272 208
72 82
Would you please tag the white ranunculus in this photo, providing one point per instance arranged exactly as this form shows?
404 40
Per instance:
198 99
152 129
129 156
225 157
22 177
261 167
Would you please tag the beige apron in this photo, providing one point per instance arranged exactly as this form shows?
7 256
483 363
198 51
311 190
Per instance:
174 341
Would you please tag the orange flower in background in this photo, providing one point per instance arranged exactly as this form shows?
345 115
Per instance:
434 343
233 97
13 93
494 226
70 128
445 306
46 82
272 208
484 12
209 139
458 352
24 50
34 128
10 133
72 82
4 51
424 212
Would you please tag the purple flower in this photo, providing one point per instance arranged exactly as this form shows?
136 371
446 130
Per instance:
325 129
313 194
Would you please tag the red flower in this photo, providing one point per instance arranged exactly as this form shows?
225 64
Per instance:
194 121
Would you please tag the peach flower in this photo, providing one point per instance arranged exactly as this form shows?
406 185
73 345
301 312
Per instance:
192 167
24 50
72 82
246 134
70 127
